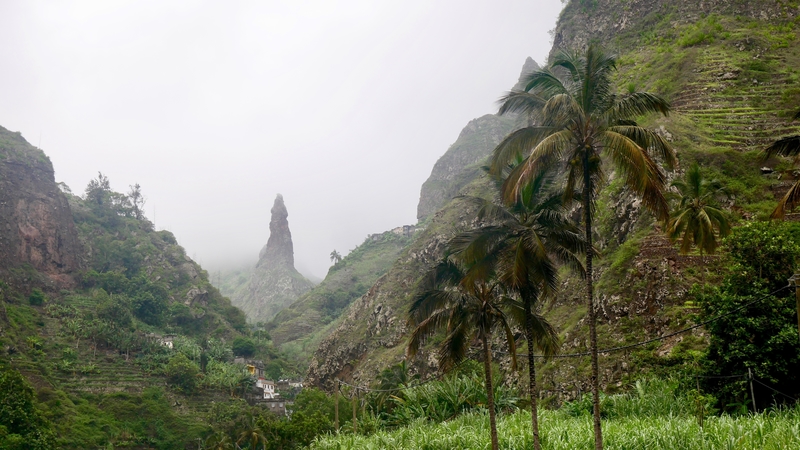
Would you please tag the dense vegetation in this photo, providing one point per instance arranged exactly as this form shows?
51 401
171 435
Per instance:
95 353
655 415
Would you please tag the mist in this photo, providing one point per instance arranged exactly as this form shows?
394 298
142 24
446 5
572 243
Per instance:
215 107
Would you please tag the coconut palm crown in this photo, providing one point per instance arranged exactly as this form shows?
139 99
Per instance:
697 219
578 123
787 146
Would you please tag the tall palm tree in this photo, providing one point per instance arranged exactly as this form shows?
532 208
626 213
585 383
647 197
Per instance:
465 301
251 434
524 241
578 123
698 216
787 146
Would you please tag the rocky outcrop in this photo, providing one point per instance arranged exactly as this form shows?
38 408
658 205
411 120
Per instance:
603 20
462 162
36 226
274 283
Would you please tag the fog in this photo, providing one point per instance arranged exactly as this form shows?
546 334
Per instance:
215 107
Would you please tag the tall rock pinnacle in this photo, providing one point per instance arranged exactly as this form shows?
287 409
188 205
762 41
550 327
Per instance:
279 249
274 283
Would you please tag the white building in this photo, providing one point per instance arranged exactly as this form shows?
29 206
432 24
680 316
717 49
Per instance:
268 387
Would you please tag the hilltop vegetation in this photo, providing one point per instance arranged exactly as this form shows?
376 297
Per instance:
298 328
94 351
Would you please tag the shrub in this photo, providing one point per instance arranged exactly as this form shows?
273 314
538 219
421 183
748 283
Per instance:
182 373
37 298
244 347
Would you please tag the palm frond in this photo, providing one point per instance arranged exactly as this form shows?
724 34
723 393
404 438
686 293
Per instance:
650 141
547 151
518 143
520 102
641 173
787 146
638 104
434 322
788 202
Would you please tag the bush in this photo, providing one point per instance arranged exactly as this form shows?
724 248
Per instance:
244 347
758 331
182 373
22 425
37 298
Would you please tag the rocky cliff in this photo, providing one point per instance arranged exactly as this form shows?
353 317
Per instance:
36 228
274 283
462 161
728 68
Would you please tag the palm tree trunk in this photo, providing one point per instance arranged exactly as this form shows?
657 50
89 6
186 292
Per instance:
702 269
587 211
487 369
534 392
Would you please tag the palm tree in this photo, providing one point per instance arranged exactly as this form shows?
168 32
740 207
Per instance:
218 441
463 299
697 215
251 433
391 382
578 122
525 240
787 146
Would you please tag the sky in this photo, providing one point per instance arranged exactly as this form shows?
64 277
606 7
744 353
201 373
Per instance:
342 106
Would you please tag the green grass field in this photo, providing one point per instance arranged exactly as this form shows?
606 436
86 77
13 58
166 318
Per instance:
772 430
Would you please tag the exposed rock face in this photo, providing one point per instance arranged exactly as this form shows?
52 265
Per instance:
462 161
279 248
274 283
582 22
36 226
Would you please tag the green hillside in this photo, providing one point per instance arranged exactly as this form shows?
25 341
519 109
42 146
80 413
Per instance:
298 328
93 349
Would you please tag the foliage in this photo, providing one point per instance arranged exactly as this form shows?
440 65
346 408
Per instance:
22 425
37 297
559 431
759 328
697 215
461 296
244 347
182 373
438 401
576 121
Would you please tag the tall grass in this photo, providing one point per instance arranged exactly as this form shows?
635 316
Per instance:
655 415
439 401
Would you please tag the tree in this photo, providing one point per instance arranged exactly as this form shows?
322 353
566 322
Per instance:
22 425
524 241
577 121
463 298
756 327
182 373
336 257
243 346
698 216
251 434
137 201
787 146
99 190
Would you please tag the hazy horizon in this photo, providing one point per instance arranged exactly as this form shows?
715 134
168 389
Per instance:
342 107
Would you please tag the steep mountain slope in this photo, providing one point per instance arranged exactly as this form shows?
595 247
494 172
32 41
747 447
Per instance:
729 68
461 162
298 328
274 283
110 322
36 228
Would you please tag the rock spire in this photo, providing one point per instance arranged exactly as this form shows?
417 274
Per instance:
274 283
279 248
